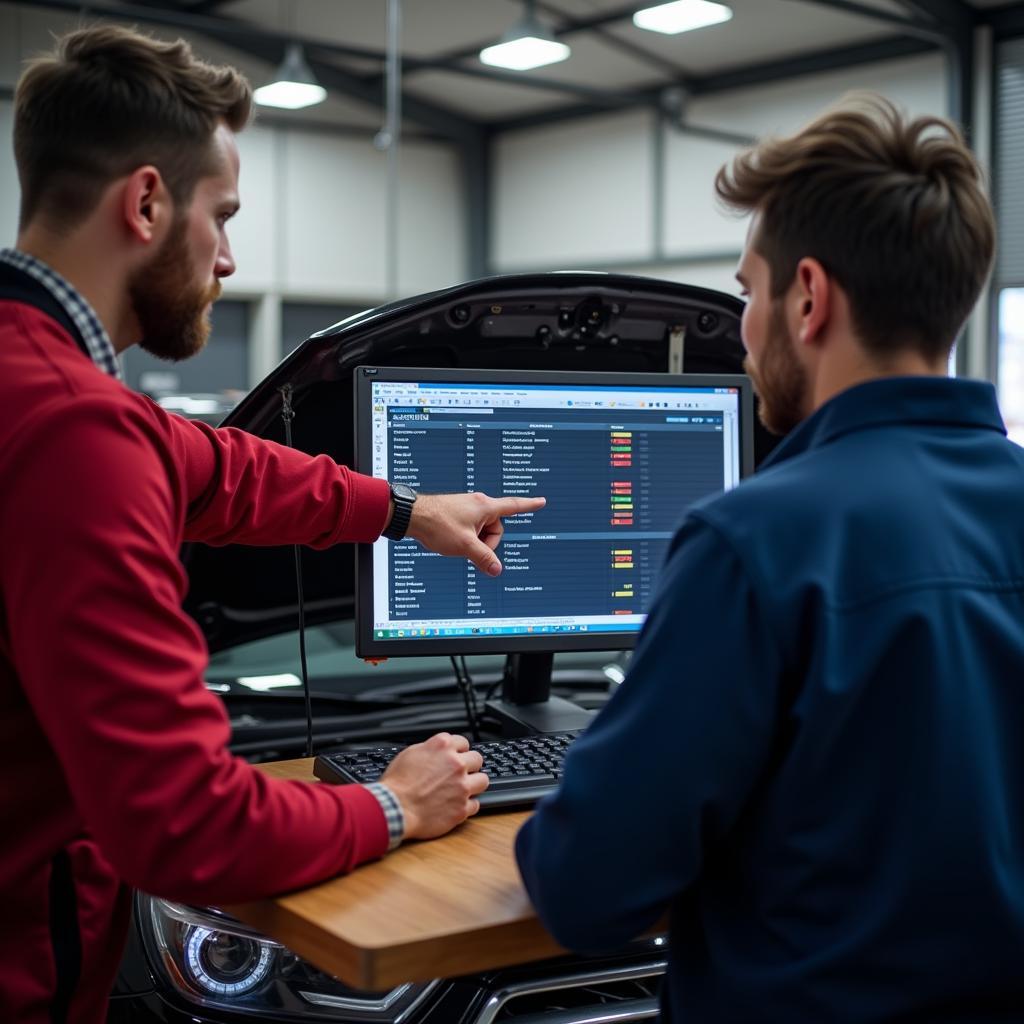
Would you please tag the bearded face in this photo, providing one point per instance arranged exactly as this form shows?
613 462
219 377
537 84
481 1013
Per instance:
779 379
171 305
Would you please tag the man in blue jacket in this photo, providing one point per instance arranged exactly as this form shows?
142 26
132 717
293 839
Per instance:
815 767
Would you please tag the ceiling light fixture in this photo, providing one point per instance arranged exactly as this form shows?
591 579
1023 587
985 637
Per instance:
294 85
528 45
681 16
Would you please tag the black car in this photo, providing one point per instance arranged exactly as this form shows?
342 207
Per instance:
197 964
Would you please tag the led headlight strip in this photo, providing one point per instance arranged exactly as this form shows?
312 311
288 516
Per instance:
252 973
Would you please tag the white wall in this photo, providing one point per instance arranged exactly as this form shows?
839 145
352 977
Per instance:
331 209
582 193
9 190
254 232
553 186
916 83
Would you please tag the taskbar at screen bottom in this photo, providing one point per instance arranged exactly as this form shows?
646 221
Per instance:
427 632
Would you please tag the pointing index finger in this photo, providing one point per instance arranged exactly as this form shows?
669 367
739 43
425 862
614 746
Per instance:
513 506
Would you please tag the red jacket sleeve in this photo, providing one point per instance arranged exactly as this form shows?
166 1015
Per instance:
113 668
244 490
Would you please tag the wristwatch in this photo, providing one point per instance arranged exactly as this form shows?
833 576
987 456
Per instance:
403 498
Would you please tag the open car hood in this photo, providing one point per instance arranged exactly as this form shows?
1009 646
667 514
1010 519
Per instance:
553 321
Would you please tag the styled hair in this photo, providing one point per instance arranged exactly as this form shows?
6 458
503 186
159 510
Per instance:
894 210
108 100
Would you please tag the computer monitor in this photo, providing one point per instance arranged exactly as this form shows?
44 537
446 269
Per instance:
619 457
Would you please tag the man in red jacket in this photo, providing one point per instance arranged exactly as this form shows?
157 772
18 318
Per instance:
115 753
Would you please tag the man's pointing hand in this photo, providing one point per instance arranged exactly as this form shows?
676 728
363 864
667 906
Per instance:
466 524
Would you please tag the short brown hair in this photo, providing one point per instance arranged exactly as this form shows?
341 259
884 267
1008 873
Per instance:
108 100
892 208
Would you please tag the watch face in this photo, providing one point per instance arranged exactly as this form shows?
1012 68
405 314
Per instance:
403 491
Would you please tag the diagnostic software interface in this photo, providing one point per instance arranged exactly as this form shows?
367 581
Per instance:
617 462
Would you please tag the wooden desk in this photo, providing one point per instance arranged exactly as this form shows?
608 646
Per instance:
453 905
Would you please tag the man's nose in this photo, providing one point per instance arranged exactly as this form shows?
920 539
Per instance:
225 265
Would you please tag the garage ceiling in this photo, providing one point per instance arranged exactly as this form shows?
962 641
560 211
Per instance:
447 89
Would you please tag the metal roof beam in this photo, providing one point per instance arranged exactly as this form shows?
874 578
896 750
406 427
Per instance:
567 26
835 59
601 97
954 15
738 78
918 28
229 30
627 46
947 23
205 6
1006 22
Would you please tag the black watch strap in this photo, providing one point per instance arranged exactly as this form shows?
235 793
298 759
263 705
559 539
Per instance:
402 498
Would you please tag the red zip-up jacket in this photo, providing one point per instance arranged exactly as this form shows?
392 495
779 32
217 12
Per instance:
114 761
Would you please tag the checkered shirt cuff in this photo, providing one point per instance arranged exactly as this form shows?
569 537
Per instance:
392 812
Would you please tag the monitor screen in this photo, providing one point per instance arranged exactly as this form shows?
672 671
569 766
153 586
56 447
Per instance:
618 457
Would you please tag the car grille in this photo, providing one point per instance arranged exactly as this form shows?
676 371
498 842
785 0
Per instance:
601 996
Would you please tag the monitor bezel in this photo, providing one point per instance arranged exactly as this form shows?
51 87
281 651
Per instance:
368 646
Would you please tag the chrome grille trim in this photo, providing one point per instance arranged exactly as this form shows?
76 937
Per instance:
598 1014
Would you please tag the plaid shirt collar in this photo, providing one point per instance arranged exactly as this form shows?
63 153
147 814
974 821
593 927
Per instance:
97 341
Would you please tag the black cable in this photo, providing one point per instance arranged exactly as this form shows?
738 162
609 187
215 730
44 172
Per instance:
471 688
288 414
469 700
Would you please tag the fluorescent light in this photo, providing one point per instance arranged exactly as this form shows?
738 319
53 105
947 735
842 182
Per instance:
528 45
524 53
681 16
290 95
294 86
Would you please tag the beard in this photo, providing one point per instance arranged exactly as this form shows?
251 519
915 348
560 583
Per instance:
172 309
779 380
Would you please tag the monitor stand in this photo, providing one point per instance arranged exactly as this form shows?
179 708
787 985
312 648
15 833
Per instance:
526 704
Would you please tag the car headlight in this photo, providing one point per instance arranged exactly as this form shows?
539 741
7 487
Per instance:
210 959
224 964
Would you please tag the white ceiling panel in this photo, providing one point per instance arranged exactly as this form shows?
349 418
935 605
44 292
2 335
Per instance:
429 27
481 99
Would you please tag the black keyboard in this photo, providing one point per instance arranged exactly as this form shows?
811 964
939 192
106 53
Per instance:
521 770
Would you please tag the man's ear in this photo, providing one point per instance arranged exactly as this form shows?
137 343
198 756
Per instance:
812 298
146 204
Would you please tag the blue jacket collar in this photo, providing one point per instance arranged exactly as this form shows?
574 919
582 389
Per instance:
891 401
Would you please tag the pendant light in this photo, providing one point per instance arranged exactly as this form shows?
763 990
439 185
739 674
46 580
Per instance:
681 16
528 45
294 84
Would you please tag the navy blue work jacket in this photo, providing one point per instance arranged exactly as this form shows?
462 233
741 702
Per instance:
816 762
